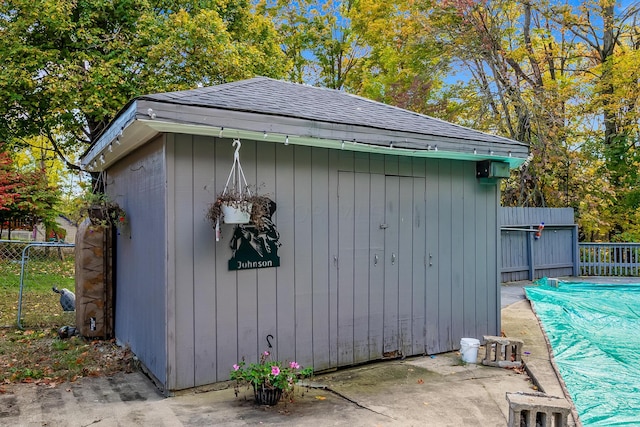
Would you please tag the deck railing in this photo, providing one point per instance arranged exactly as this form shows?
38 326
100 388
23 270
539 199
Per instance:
609 259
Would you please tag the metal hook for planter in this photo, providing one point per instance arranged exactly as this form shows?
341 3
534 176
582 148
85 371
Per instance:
236 172
236 154
238 179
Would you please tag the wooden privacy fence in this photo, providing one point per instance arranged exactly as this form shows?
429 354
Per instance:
556 252
553 254
610 259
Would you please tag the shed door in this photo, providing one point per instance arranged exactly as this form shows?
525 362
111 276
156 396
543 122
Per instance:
377 214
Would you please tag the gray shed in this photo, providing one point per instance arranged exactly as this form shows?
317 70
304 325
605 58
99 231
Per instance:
389 242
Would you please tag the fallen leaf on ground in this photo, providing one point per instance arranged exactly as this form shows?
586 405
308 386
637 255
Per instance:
519 370
420 381
321 398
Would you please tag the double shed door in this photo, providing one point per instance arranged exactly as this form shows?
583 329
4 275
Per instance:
381 266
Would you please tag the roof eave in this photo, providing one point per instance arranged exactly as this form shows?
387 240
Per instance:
431 151
125 134
144 119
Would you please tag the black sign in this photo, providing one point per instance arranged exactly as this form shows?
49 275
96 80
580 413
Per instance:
256 247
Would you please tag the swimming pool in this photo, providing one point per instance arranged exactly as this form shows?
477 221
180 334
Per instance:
594 332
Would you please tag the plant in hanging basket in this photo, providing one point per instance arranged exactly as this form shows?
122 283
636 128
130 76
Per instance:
102 211
270 379
238 200
249 207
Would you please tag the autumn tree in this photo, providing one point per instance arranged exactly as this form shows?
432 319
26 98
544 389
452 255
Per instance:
318 39
337 49
405 63
8 181
515 69
562 77
538 75
26 196
609 35
70 65
293 23
36 201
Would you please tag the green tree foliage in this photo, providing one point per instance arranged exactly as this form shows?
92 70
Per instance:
562 77
337 49
609 37
70 65
293 23
318 38
406 63
519 73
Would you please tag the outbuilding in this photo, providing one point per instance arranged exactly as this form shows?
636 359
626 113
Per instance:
385 229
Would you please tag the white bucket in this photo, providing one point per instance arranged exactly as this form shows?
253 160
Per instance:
236 215
469 349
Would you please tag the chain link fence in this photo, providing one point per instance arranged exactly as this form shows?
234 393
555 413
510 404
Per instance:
29 271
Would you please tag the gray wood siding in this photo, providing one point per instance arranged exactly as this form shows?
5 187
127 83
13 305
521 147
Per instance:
330 303
137 183
224 318
180 284
286 223
266 278
203 269
419 291
321 263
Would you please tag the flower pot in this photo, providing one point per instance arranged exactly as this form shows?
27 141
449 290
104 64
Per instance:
96 212
97 215
238 214
266 395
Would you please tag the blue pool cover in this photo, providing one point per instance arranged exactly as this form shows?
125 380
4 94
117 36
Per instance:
594 332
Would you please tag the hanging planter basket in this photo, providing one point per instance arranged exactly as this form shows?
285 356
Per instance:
96 214
266 395
237 204
236 213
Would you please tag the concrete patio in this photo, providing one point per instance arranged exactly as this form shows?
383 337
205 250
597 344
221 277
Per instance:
437 390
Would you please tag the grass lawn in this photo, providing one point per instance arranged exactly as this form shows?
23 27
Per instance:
35 353
40 305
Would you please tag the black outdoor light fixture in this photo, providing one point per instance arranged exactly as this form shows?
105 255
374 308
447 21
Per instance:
490 171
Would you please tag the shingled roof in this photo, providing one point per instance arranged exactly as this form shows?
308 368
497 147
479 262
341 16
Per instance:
296 113
278 98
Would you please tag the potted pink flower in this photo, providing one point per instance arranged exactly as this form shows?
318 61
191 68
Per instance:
270 379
